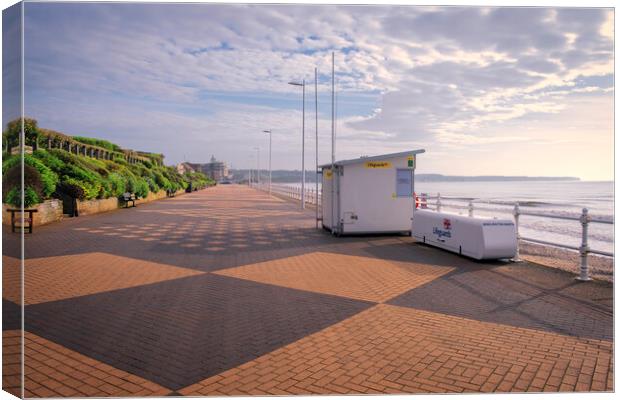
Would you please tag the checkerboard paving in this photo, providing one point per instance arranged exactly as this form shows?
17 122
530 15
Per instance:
62 277
389 349
11 315
12 361
494 296
181 331
355 277
55 371
230 291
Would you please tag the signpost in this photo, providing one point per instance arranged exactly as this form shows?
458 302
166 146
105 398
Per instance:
411 162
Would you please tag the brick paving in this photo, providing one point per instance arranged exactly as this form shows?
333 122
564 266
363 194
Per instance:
185 330
63 277
389 349
55 371
229 291
483 296
366 278
11 359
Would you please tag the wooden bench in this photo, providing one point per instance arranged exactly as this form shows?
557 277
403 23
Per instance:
28 220
129 197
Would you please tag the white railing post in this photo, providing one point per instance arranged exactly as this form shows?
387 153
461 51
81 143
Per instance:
516 213
470 208
584 275
438 203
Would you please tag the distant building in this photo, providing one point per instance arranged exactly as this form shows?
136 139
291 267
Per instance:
184 167
216 170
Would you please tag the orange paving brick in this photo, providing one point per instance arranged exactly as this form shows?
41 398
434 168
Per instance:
63 277
498 358
85 376
387 349
355 277
11 362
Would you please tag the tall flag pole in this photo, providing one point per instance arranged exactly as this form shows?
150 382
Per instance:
316 143
333 183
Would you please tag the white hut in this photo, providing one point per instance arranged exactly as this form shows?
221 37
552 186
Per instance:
370 194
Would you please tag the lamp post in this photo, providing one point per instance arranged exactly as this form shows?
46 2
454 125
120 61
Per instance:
257 166
316 146
303 140
269 132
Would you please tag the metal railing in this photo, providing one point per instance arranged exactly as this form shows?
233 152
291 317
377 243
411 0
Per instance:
584 219
291 191
294 192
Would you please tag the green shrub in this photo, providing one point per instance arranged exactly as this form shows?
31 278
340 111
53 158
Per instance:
198 180
50 160
152 185
13 197
9 162
30 197
48 178
117 184
11 135
142 188
72 188
12 179
97 142
92 190
89 178
162 181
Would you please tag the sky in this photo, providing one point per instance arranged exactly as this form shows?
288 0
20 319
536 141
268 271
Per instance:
486 91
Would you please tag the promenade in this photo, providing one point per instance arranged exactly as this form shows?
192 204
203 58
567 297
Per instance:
228 291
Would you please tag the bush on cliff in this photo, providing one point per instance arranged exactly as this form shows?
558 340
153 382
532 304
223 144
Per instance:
46 176
12 181
30 197
82 177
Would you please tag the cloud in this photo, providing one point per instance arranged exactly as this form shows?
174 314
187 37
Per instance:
11 64
426 75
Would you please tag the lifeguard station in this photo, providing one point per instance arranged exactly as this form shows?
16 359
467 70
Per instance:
369 194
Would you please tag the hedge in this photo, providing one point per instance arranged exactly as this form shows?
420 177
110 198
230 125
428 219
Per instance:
79 176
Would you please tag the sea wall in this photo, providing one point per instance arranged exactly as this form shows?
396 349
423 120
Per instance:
51 210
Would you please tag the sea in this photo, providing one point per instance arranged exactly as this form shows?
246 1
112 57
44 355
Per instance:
565 198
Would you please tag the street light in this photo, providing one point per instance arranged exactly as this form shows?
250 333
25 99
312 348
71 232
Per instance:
269 132
257 166
303 140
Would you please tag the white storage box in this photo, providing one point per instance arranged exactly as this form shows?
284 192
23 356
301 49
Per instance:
476 237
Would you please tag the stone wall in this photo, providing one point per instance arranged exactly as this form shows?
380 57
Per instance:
51 210
48 211
89 207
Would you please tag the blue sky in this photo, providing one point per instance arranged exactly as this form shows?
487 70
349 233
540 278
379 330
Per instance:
513 91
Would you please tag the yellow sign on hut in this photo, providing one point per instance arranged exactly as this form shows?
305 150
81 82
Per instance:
378 164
